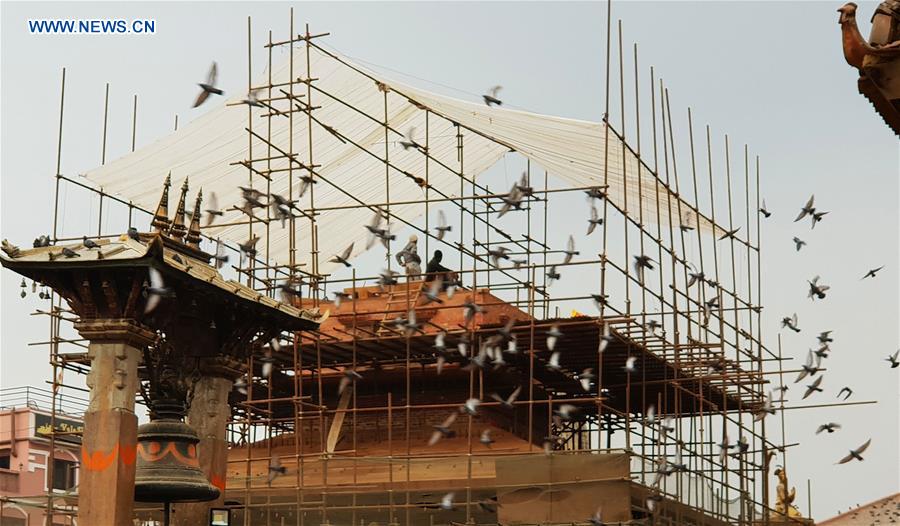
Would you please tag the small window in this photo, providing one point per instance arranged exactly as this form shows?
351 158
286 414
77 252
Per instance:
63 474
4 460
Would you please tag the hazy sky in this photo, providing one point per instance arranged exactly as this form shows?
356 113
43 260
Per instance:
770 74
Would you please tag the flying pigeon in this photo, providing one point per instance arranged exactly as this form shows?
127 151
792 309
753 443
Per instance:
409 140
570 250
447 502
629 364
470 309
220 257
275 469
765 212
553 362
553 335
343 256
212 209
350 376
509 401
830 427
596 192
585 378
433 291
552 275
798 243
497 254
729 234
790 322
253 99
816 290
640 263
340 296
156 291
605 338
811 367
871 273
594 221
817 217
856 453
470 407
810 389
442 227
491 98
808 209
443 430
208 87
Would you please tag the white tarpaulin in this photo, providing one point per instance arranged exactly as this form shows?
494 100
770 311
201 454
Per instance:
208 151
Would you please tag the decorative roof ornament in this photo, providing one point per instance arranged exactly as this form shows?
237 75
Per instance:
193 235
161 217
178 230
784 499
878 59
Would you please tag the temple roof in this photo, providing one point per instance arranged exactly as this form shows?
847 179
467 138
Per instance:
149 251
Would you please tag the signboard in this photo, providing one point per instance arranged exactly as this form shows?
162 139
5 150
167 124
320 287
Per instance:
67 429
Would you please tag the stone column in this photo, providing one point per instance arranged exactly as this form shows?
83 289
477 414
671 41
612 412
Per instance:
106 488
208 415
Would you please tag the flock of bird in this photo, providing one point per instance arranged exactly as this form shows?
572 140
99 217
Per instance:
493 348
813 364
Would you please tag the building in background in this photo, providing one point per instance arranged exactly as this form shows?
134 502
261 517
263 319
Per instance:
881 511
26 440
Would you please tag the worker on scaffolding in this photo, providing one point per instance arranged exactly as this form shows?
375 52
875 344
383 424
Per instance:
435 271
409 258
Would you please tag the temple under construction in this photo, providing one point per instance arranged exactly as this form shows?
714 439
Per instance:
521 380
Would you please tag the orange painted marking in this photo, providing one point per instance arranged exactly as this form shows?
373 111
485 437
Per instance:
218 481
128 454
153 454
98 460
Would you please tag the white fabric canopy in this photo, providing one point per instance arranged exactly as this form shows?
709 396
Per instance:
208 149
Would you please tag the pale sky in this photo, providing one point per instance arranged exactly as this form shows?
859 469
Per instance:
771 74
